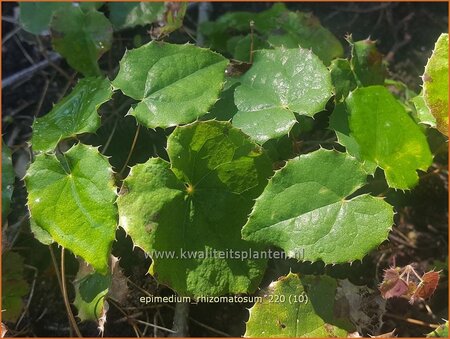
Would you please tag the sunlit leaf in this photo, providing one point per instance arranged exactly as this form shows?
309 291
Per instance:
375 119
322 224
176 84
435 84
197 204
73 115
294 307
71 196
281 82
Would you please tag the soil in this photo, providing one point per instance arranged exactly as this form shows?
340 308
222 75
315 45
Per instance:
405 32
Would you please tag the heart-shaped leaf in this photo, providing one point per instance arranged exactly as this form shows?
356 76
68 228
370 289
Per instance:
184 212
304 210
71 196
176 84
281 82
75 114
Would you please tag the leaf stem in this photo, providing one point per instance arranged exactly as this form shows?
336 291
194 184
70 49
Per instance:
131 150
72 320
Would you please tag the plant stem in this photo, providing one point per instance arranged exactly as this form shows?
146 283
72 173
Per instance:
72 320
131 150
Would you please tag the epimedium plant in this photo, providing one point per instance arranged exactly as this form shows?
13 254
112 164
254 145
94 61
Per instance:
222 186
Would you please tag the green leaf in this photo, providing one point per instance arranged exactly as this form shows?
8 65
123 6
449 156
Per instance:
73 115
89 6
72 198
91 289
240 46
339 123
176 84
367 63
387 135
198 204
14 287
423 113
280 82
8 178
329 227
81 38
35 17
220 31
440 332
130 14
296 308
304 30
342 77
224 109
40 234
435 84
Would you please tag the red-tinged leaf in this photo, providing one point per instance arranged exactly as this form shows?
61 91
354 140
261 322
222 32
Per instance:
428 285
392 285
396 290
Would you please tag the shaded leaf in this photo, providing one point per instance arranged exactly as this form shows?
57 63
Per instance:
72 198
435 84
92 288
8 178
304 309
198 204
130 14
342 77
74 114
241 46
224 109
367 63
81 38
219 32
280 82
375 119
329 227
14 287
304 29
339 122
175 83
35 16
